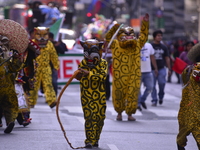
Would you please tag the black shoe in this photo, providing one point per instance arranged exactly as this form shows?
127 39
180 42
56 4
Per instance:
88 145
139 108
154 104
20 119
169 81
144 105
53 104
160 101
96 144
9 128
1 124
180 148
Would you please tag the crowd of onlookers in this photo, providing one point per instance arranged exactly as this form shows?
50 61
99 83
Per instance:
179 48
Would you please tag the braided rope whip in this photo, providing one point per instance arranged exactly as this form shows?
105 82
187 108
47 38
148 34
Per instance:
57 108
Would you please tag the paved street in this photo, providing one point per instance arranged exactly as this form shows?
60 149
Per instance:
154 129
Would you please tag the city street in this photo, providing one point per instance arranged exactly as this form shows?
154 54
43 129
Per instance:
154 129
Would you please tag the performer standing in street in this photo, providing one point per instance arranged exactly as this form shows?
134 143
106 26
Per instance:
189 112
92 76
44 72
126 67
13 40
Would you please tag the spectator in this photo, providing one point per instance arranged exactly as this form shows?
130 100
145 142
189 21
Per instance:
183 55
162 60
147 57
174 52
60 49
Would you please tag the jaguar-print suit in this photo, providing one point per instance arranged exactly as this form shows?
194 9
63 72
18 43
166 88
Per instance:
43 74
93 99
189 114
8 97
126 69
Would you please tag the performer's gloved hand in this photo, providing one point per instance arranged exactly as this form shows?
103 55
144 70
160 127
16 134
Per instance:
81 73
16 54
84 72
146 17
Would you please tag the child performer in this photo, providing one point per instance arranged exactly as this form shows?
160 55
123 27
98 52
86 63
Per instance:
92 76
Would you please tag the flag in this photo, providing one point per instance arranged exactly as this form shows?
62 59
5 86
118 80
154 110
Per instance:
55 28
179 65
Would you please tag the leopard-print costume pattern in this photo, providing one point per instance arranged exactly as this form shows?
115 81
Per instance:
8 97
93 99
189 115
126 69
43 74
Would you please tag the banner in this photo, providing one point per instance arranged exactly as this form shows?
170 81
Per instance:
55 28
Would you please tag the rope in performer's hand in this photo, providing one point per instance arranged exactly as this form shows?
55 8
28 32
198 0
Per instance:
57 108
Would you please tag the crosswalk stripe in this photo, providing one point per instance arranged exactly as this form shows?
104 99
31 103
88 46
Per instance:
74 109
164 113
113 112
158 112
112 147
81 120
44 108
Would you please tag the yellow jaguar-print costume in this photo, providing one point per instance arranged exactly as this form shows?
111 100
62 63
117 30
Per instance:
8 97
189 115
126 69
43 74
93 99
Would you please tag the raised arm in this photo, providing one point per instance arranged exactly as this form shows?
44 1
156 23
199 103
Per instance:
144 30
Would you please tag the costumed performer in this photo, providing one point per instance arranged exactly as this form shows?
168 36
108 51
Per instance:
92 76
13 39
189 112
24 82
43 73
126 67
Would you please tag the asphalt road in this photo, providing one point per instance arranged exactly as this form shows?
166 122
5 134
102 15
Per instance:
154 129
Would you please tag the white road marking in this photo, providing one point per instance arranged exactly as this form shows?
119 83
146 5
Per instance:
74 109
81 120
112 147
164 113
44 108
113 112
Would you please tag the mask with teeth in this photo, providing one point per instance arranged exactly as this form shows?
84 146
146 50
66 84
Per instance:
196 72
41 36
92 51
126 37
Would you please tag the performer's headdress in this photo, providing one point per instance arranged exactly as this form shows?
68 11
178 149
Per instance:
126 36
16 35
41 36
92 51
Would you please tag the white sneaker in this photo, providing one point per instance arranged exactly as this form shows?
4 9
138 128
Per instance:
40 94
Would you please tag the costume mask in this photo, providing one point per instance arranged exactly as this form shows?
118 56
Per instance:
41 36
196 72
126 37
4 47
92 51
